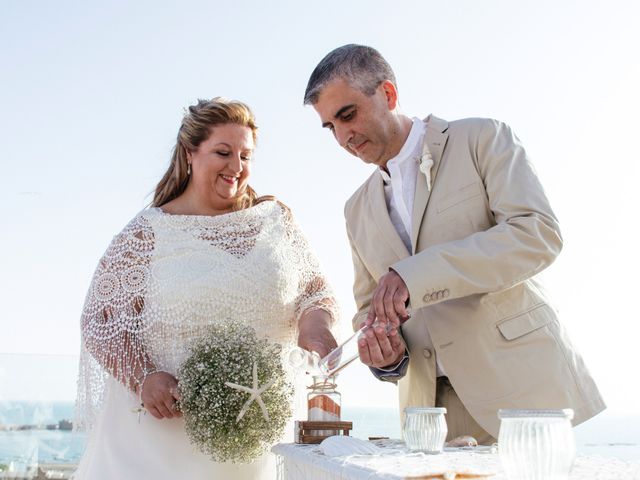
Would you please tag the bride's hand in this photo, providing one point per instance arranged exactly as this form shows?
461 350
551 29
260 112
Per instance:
314 332
160 394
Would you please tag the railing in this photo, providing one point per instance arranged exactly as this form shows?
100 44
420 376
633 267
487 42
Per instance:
37 394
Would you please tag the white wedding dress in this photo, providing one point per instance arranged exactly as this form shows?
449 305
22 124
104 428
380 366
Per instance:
163 279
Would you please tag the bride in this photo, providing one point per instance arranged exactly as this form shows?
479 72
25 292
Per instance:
208 249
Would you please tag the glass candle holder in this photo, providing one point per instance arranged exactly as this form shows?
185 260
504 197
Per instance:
425 429
536 444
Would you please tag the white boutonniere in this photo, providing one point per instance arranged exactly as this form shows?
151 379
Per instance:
426 162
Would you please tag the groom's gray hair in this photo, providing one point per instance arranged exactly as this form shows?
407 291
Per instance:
361 66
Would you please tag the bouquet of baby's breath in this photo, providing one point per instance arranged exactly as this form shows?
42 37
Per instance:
235 397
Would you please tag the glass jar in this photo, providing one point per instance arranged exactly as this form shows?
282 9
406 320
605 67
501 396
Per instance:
324 402
425 429
536 444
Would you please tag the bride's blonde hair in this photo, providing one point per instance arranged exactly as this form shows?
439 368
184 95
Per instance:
195 129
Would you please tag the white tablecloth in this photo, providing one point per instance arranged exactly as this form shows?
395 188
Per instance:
307 462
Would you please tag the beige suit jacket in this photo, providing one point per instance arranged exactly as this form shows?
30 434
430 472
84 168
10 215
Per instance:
480 235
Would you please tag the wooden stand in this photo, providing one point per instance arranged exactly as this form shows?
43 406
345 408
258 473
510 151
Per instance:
304 430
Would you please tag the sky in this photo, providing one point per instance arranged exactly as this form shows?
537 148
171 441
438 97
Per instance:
93 93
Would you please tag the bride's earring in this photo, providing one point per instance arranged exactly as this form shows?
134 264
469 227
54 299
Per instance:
188 169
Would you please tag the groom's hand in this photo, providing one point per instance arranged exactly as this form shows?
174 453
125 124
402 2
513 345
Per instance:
389 300
380 349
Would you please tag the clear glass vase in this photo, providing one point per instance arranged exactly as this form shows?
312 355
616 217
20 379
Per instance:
306 361
536 444
345 353
425 429
335 361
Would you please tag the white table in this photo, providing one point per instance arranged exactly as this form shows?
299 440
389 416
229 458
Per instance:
307 462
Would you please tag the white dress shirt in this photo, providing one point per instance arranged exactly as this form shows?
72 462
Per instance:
400 189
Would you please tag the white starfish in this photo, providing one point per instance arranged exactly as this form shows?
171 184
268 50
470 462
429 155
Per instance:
255 394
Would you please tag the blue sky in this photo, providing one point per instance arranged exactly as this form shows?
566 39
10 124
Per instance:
92 95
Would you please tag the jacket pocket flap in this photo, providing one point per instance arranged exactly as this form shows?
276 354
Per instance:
526 322
458 196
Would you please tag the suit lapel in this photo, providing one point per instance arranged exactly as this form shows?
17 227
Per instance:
435 139
380 214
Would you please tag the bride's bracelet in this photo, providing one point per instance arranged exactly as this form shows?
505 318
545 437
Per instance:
140 381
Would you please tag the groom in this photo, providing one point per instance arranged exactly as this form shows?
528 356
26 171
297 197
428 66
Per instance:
454 224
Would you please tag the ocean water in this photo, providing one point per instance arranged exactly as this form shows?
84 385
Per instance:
608 434
29 447
41 446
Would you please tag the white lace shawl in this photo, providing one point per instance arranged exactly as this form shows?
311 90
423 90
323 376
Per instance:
164 278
